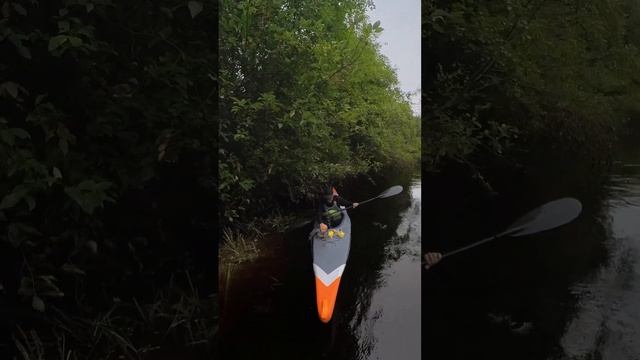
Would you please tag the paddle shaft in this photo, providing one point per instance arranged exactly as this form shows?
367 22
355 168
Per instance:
483 241
360 203
468 247
392 191
571 209
387 193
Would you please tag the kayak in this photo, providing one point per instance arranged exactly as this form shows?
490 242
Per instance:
330 254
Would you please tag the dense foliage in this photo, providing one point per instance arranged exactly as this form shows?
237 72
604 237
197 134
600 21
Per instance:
305 95
503 75
106 139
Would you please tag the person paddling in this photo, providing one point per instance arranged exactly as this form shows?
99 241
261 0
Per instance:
329 213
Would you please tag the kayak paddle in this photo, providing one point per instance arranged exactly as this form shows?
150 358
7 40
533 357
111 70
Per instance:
545 217
392 191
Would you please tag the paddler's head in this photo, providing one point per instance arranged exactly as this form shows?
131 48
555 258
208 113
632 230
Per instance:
327 193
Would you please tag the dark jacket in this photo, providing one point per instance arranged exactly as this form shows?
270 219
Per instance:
320 215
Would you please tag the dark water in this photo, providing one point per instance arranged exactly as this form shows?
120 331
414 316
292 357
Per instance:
269 309
570 293
605 323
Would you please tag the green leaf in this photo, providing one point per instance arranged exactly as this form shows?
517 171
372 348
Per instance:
167 12
246 184
31 202
7 137
19 9
20 133
28 229
24 52
39 98
75 41
64 146
64 138
70 268
56 41
56 173
37 303
92 246
11 88
12 199
45 286
89 194
195 8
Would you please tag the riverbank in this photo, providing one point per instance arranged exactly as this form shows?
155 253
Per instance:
240 240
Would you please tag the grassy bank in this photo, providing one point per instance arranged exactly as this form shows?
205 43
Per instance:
241 243
176 321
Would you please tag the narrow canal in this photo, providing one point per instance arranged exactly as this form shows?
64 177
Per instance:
572 293
269 310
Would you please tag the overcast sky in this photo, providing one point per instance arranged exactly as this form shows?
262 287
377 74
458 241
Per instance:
400 41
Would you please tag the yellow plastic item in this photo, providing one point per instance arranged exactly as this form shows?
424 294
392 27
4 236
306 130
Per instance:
341 234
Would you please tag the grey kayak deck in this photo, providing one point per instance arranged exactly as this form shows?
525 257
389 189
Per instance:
330 254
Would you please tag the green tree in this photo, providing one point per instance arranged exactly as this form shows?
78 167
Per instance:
106 136
503 74
305 96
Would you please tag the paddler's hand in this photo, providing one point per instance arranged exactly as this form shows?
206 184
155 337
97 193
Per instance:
432 258
355 205
323 228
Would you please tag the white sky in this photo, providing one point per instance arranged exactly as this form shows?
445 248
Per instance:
400 41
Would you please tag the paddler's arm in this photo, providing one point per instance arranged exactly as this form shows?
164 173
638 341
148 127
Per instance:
344 202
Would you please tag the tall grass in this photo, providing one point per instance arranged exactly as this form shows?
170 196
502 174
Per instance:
176 318
236 248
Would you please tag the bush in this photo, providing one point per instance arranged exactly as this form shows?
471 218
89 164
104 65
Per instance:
305 96
106 139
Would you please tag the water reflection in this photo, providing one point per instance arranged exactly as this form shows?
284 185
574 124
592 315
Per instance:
607 320
568 294
392 329
513 298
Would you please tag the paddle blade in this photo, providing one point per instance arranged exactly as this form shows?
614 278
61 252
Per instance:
394 190
548 216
